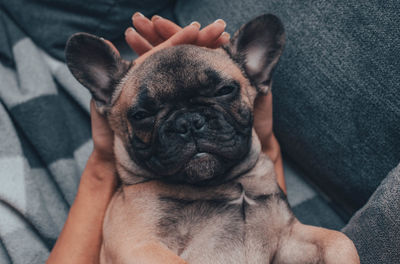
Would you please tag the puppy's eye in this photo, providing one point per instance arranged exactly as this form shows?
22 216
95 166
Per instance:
224 90
140 115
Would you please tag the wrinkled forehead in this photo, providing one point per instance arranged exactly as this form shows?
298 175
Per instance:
181 70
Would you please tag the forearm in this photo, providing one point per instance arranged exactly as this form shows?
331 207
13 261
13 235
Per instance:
80 239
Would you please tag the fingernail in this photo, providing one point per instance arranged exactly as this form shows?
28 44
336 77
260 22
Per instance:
220 21
195 23
129 29
155 17
102 38
225 34
137 14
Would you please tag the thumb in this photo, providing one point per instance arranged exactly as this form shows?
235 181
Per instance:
101 131
263 116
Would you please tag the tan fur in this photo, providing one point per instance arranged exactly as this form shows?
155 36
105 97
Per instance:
245 220
130 234
195 187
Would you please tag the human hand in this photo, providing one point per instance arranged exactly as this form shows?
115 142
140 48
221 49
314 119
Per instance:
158 33
102 156
263 126
80 239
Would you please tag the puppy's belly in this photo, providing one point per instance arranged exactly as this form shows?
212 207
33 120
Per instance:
241 221
245 229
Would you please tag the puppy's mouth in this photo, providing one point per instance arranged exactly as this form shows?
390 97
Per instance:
202 167
199 161
199 154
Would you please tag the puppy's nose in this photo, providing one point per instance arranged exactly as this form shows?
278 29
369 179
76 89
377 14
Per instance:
182 126
198 121
189 122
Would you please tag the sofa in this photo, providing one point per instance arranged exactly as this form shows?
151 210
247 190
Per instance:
336 112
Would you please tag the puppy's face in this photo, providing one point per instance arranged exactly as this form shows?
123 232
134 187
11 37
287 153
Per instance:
185 113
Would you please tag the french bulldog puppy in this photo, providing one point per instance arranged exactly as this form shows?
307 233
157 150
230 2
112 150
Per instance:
195 187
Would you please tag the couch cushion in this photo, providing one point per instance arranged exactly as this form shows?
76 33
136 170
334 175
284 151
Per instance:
375 228
309 205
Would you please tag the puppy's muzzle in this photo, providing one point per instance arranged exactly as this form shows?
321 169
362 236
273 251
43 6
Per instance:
188 123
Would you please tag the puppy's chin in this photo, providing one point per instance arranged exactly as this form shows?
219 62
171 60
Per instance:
202 168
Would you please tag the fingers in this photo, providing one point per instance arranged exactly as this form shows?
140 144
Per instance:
209 35
101 132
222 40
158 33
99 122
102 135
263 127
150 33
139 44
187 35
146 29
212 36
164 27
263 117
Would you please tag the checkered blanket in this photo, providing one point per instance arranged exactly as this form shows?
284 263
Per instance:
44 144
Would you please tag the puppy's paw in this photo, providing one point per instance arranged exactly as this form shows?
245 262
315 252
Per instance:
340 249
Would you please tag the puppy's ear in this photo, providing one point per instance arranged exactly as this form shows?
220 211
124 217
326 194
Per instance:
257 46
96 65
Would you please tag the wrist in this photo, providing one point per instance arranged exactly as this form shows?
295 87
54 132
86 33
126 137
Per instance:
98 182
99 171
271 148
101 156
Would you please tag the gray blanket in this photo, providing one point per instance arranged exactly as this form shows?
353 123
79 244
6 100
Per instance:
44 144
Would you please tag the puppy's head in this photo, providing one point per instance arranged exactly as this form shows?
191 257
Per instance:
185 113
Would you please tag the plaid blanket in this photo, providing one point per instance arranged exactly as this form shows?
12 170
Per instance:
44 144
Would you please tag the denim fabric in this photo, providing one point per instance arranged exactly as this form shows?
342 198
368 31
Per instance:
336 88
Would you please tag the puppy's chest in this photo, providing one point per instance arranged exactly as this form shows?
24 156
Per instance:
232 222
